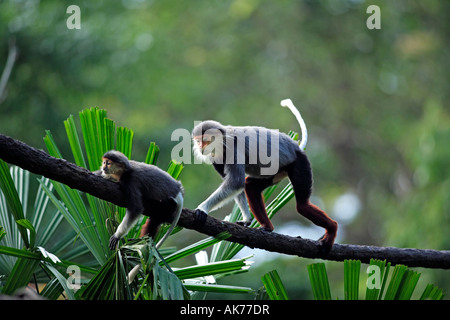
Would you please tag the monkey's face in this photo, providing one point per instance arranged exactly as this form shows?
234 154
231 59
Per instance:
111 170
202 141
205 145
208 147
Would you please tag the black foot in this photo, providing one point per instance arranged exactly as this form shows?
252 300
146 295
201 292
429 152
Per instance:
200 217
113 242
325 245
244 223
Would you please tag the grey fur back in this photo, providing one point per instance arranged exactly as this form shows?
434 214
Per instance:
159 184
259 144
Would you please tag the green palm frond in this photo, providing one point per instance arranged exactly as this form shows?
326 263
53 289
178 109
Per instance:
155 281
319 281
351 279
152 154
217 288
432 292
32 227
274 286
2 232
13 205
227 267
401 285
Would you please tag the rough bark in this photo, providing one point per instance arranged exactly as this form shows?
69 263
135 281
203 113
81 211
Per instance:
39 162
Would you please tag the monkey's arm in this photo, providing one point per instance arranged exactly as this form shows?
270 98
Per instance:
232 185
241 201
134 208
127 223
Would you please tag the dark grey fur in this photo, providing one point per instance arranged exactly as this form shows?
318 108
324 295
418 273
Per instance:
145 186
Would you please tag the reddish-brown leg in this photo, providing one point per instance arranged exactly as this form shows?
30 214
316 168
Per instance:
149 228
300 175
253 189
319 218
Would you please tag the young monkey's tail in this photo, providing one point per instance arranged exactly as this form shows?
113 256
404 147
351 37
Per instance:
288 103
179 201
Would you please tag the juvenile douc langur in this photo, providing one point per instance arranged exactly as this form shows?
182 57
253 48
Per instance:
148 190
239 155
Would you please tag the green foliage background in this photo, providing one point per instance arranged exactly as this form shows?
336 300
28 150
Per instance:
375 101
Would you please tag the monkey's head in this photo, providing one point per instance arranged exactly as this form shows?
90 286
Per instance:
208 138
114 165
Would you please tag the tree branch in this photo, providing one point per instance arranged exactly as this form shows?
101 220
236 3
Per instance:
37 161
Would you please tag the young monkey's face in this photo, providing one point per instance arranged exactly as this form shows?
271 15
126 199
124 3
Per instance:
111 170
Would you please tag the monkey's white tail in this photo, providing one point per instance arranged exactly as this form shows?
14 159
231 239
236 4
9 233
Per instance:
133 273
179 200
288 103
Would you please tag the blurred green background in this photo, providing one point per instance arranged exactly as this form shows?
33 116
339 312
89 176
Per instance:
375 101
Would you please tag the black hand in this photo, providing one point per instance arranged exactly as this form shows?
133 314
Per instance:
113 242
200 217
